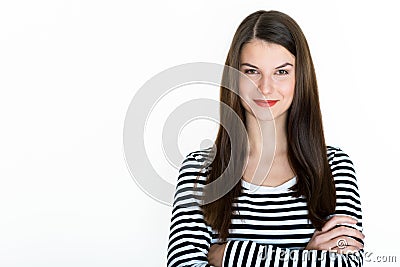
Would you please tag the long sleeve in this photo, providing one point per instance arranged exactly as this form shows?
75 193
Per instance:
348 201
190 237
249 253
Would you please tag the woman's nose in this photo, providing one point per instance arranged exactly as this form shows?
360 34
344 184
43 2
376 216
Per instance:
266 85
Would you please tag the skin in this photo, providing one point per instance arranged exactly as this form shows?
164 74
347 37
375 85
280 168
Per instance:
270 81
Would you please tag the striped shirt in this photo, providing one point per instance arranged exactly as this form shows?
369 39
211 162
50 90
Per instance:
269 226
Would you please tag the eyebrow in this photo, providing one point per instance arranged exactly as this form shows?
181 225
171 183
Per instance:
281 66
284 65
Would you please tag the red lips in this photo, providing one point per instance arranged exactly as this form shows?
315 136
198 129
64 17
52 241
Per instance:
266 103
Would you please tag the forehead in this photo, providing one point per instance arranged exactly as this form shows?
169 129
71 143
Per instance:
264 54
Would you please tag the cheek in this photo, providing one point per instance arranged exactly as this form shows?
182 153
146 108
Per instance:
247 87
287 89
244 90
244 97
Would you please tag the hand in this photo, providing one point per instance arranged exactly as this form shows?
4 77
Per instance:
216 254
338 239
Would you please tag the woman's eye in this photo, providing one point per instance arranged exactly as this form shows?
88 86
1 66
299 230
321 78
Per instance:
250 71
282 72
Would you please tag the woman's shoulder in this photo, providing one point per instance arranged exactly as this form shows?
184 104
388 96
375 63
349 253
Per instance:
335 151
195 166
198 162
343 170
203 157
200 159
200 154
337 157
192 178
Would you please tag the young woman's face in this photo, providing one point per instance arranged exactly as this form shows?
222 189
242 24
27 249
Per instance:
270 68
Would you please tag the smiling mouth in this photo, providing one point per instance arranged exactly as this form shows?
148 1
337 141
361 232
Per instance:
266 103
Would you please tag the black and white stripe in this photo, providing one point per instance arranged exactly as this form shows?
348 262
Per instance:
269 228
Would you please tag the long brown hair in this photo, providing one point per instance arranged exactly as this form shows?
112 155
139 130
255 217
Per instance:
307 153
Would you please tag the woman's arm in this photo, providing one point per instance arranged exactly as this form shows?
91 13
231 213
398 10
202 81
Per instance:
249 253
323 248
189 238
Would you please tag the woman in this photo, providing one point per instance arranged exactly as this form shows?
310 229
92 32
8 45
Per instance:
297 199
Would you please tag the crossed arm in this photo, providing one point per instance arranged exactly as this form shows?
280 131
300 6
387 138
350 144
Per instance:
333 243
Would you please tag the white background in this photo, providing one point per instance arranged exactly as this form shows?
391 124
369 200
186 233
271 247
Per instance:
69 69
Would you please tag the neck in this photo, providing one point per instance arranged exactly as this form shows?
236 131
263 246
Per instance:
262 135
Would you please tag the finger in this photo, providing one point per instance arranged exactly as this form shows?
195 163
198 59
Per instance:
342 243
342 231
338 219
346 250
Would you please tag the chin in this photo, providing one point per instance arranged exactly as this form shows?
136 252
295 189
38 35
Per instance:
263 116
